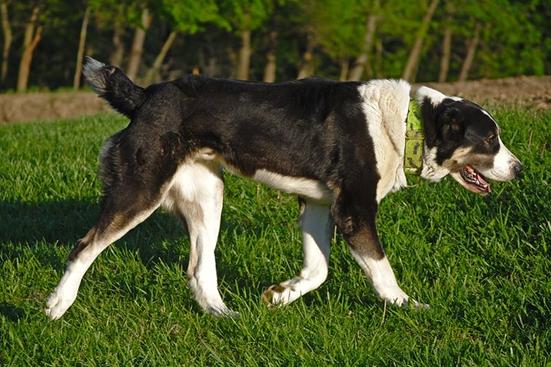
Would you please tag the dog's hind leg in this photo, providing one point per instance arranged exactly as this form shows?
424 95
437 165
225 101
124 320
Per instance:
197 196
121 211
317 229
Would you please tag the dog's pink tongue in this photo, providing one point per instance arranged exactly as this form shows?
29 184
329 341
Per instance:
482 183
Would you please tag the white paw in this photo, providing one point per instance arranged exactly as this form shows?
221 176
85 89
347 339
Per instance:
209 299
280 294
396 296
221 311
58 302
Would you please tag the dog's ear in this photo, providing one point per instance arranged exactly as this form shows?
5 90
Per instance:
451 125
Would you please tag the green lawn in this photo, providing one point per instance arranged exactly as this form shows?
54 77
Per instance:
483 264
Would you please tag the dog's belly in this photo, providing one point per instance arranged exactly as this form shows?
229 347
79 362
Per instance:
301 186
305 187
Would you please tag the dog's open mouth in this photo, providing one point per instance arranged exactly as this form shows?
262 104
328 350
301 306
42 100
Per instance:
473 180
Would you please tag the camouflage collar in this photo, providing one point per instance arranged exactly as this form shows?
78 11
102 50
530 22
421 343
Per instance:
413 152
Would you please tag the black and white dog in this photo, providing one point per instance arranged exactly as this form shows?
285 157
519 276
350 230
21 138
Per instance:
339 146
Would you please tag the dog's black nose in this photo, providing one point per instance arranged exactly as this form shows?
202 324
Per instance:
517 168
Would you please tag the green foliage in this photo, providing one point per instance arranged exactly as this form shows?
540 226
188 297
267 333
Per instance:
514 37
337 26
114 12
189 16
247 14
481 263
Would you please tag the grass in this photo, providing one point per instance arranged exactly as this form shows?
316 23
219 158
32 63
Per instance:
483 264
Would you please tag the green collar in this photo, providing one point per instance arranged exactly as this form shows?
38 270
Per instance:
413 152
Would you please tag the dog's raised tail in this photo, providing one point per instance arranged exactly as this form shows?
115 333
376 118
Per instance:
110 83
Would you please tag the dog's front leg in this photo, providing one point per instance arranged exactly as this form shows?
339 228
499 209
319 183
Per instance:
357 224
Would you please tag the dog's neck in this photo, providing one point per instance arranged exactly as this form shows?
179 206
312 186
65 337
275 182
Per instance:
415 139
425 101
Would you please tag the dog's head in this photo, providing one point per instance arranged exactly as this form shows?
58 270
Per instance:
462 139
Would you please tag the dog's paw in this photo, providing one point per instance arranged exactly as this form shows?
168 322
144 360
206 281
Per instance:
273 295
58 302
418 305
397 297
281 294
222 311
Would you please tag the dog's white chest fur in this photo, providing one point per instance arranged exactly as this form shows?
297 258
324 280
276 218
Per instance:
385 105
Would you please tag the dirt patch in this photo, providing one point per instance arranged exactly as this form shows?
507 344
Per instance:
523 91
534 92
49 106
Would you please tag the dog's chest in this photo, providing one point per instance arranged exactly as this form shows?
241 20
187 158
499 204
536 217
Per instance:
385 105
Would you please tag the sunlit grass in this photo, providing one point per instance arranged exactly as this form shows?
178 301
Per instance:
481 263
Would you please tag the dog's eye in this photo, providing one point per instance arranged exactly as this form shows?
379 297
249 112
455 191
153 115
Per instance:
490 139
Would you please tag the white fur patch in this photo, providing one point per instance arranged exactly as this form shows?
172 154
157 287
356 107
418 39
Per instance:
66 292
317 228
385 105
383 279
434 96
305 187
503 167
197 194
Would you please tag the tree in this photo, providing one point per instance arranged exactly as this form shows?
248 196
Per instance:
307 66
334 26
415 53
362 61
345 39
137 43
508 40
81 44
270 68
33 34
472 44
245 16
185 17
8 38
446 43
115 15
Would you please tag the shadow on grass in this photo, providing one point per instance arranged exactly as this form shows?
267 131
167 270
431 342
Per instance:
11 312
160 239
62 223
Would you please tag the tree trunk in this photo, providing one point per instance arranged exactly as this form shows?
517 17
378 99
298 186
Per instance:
307 68
244 56
362 61
378 59
471 50
232 58
270 68
415 53
344 67
81 44
118 51
137 45
153 73
212 67
30 41
6 29
446 52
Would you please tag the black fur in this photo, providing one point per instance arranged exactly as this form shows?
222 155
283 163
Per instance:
458 123
309 128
